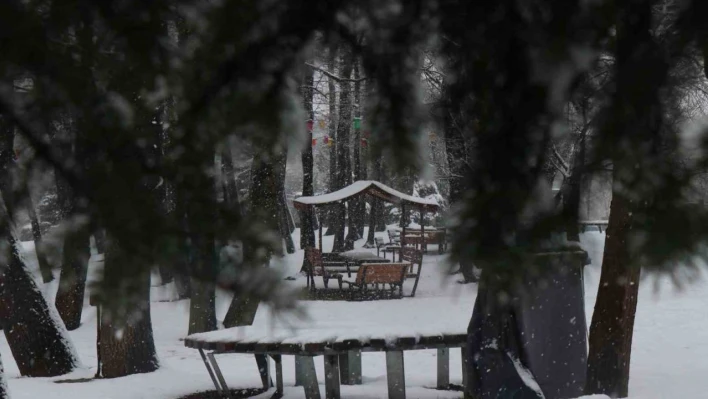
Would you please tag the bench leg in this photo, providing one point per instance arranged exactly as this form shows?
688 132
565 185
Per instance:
350 368
465 379
299 371
278 360
219 376
309 377
208 367
395 375
332 387
443 368
264 370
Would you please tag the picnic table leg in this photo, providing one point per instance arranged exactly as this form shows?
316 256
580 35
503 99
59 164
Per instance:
395 375
208 367
443 368
299 370
332 387
350 367
465 379
224 388
309 377
264 370
278 376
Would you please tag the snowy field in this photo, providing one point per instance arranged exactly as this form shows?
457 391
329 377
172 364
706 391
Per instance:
668 356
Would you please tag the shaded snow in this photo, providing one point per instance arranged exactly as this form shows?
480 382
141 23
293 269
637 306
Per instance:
668 355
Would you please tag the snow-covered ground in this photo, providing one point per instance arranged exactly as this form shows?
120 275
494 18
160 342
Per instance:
668 357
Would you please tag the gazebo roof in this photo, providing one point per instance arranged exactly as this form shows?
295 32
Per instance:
369 187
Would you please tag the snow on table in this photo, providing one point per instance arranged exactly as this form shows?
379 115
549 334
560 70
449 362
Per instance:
319 338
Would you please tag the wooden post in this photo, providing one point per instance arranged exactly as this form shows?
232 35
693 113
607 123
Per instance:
443 368
350 367
405 223
331 369
309 377
395 375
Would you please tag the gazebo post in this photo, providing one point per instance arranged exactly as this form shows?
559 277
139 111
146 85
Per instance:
320 218
405 223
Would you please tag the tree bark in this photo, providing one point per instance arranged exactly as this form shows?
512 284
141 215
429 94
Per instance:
633 118
44 267
307 223
330 211
38 340
343 172
127 347
263 202
4 394
72 281
612 324
283 210
376 207
202 305
36 337
358 207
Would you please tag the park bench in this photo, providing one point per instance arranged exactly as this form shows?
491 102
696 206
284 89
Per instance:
373 275
318 267
381 246
413 257
394 237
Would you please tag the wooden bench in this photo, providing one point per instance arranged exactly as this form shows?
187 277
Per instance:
319 268
394 237
375 274
413 257
381 246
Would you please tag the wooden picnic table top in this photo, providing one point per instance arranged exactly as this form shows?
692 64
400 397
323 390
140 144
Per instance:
363 256
263 345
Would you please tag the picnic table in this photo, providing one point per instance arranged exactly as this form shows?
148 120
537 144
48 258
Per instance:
359 256
341 348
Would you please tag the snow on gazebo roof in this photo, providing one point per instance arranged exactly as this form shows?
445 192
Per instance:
369 187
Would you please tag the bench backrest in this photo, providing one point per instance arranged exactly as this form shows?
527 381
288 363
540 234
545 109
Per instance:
381 273
314 256
411 255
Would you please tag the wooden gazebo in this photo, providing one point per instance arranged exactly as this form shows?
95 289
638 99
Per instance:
372 188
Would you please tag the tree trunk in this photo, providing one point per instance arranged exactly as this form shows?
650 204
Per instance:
34 333
4 394
571 194
307 223
376 208
72 281
343 172
99 237
357 205
283 210
638 123
202 306
44 267
76 253
241 312
263 201
128 347
613 319
329 212
37 338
